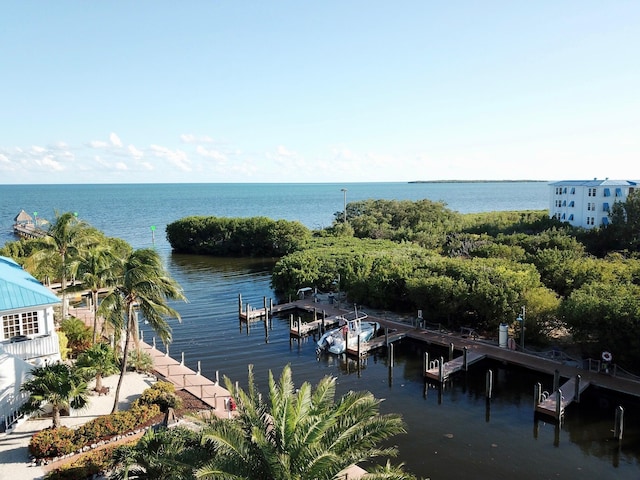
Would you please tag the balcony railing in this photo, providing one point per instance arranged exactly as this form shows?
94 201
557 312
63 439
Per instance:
32 348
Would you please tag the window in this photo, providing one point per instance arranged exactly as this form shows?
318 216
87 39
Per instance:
573 190
592 192
605 207
605 220
565 190
607 192
564 203
618 192
571 217
20 324
572 204
563 216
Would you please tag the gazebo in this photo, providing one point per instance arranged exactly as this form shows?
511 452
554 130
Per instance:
23 218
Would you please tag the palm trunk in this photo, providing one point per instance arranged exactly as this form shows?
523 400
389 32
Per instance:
63 287
125 354
94 299
98 382
56 417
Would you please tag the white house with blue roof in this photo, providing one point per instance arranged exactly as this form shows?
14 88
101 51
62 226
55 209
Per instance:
27 335
587 203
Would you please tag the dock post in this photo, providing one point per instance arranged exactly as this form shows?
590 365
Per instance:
425 365
386 336
239 304
451 351
489 383
465 365
166 352
537 394
217 378
291 321
619 424
558 404
266 312
154 343
248 319
391 355
359 351
198 373
324 318
315 314
441 370
215 401
556 380
299 326
576 395
182 360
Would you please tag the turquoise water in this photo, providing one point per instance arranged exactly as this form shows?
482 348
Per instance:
452 433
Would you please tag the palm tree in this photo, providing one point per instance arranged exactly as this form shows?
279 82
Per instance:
166 454
97 268
298 434
97 361
144 285
58 385
66 237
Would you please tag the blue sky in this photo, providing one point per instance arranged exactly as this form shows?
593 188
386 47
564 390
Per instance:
331 91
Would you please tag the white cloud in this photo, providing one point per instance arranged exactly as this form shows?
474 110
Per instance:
176 157
115 140
49 163
284 152
4 159
215 154
135 153
121 166
36 149
147 165
97 144
191 138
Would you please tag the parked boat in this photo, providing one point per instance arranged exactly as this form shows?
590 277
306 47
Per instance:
354 329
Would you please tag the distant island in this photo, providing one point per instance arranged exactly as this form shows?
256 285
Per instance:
477 181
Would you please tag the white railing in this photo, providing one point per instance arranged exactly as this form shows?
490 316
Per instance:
45 346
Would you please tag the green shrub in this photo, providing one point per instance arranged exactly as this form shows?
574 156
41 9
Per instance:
52 442
140 361
87 465
161 394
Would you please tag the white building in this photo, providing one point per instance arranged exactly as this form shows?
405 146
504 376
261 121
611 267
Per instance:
587 203
27 334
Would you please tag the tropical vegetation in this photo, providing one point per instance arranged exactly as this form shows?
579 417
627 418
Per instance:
57 385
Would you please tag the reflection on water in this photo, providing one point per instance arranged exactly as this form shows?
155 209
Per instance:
453 432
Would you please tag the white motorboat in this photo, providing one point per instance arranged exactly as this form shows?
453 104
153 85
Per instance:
353 329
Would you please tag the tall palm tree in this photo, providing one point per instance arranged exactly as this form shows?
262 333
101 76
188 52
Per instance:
58 385
145 285
299 434
97 267
66 237
97 361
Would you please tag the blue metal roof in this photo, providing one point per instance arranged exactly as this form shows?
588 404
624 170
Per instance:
18 289
595 183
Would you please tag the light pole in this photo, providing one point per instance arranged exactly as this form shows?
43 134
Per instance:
344 191
521 319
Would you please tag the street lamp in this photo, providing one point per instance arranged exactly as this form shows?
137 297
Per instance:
520 319
344 191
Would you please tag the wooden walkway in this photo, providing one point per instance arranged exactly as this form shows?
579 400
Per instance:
434 371
29 231
170 370
554 405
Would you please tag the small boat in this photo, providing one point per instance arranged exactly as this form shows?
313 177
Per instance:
353 329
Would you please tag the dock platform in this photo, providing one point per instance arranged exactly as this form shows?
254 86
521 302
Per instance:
440 373
554 405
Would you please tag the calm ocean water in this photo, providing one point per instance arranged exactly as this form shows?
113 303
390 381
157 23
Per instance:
452 433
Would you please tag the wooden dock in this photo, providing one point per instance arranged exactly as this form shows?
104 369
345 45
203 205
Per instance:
441 371
377 342
555 404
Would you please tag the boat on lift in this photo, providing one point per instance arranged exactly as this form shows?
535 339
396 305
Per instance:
354 328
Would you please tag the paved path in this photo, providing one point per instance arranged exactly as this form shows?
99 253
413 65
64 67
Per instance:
14 455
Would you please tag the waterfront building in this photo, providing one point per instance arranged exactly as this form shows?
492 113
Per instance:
587 203
27 335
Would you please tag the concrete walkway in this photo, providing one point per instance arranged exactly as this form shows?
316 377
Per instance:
14 454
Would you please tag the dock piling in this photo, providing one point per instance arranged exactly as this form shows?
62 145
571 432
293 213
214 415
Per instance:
451 351
576 396
391 355
465 363
558 404
537 394
556 380
489 384
425 365
441 370
619 423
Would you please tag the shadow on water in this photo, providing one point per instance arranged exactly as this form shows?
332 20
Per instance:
453 432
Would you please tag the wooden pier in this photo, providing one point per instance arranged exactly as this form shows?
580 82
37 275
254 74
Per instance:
363 348
440 370
555 404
